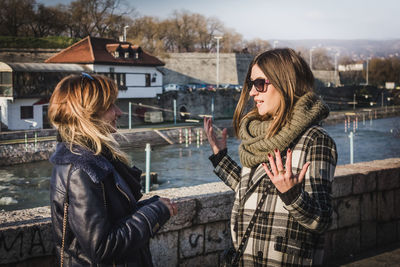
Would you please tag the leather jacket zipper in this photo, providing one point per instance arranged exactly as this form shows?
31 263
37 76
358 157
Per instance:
105 203
123 192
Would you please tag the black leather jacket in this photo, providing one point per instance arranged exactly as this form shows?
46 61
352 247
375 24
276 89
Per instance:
105 225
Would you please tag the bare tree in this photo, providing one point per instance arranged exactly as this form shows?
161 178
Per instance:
48 21
382 70
231 41
257 46
321 60
15 16
345 60
94 17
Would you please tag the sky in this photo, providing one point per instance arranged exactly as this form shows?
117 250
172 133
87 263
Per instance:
287 19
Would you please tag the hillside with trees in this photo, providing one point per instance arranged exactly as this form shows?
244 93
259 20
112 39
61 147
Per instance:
183 31
28 24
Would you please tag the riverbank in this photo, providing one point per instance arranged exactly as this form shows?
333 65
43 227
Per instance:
30 146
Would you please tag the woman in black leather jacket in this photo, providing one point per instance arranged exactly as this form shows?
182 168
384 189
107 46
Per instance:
96 214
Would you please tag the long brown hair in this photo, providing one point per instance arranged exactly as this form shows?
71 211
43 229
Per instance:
75 108
289 74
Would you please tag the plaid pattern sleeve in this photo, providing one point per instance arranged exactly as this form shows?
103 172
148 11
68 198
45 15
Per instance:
313 208
228 171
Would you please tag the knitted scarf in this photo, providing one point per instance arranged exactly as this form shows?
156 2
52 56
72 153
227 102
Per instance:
308 110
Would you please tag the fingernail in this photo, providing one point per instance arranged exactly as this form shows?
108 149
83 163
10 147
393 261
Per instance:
269 155
289 150
276 150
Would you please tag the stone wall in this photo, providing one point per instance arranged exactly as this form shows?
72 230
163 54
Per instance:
183 68
199 103
39 55
366 216
327 77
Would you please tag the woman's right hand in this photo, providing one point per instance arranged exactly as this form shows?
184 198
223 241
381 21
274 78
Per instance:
216 144
173 209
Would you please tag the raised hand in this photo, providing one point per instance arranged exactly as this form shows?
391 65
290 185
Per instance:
173 209
281 177
216 144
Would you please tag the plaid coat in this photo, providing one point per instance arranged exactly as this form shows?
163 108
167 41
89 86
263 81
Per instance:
284 235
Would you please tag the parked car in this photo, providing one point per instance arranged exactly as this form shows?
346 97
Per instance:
211 87
224 86
237 87
195 86
185 88
171 87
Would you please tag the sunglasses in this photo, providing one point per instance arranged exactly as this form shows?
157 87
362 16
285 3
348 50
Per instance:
259 84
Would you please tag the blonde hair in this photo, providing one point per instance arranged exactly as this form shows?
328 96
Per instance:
75 109
289 74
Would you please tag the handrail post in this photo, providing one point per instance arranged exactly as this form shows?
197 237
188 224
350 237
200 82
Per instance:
147 182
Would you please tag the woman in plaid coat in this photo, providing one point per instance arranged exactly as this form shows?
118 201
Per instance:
285 153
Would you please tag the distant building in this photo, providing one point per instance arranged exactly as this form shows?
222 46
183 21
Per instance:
390 85
25 88
351 67
134 70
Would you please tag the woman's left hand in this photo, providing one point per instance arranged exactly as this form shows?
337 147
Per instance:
281 177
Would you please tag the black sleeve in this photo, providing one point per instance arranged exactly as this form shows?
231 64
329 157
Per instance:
215 159
291 195
98 237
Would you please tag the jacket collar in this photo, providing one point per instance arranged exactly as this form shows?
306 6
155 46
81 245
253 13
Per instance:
96 166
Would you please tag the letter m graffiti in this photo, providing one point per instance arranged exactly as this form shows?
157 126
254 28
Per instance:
11 244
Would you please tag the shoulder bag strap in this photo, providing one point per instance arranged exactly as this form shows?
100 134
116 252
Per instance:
246 235
64 230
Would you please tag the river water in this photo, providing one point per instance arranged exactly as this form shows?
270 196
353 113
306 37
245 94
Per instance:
27 185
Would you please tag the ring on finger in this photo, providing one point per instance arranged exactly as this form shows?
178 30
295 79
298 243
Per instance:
282 171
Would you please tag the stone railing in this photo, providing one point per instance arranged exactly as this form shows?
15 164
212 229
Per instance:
366 216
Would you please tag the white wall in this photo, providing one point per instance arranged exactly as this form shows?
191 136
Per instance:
351 67
135 80
4 110
14 121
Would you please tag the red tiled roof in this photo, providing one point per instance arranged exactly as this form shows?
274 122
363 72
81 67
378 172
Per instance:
94 50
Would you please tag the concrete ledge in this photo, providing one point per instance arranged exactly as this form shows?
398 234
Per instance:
366 216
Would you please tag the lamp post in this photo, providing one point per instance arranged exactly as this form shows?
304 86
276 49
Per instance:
275 43
366 78
311 50
336 68
125 27
218 38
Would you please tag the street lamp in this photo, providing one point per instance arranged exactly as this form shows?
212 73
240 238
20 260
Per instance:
366 78
336 68
311 50
218 38
125 27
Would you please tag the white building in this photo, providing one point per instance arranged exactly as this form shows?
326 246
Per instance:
351 67
134 70
25 88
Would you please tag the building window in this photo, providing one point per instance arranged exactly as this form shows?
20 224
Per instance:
5 77
147 80
26 112
126 54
